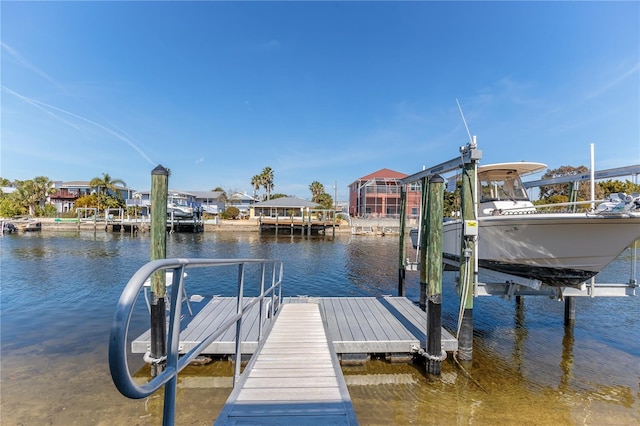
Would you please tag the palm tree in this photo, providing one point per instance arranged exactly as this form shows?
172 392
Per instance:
34 192
267 180
316 189
256 183
106 184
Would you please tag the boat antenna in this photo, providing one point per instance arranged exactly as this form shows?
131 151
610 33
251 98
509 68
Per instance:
463 120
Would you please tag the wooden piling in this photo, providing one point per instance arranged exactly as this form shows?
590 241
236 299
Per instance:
159 197
403 250
569 311
467 264
434 274
424 249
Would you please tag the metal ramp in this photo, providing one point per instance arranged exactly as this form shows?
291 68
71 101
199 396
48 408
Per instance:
293 378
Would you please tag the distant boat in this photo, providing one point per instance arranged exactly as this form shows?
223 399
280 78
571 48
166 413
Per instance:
8 228
559 249
178 206
30 226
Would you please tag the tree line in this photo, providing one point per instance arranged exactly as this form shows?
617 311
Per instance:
265 180
30 196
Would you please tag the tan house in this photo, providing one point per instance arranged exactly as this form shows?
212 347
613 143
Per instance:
282 207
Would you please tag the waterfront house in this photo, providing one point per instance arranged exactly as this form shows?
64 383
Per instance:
242 201
377 195
142 200
212 202
282 207
68 192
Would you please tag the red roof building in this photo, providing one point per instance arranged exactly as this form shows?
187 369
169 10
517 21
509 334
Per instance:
378 195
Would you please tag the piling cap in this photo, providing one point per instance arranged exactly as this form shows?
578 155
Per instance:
160 171
436 179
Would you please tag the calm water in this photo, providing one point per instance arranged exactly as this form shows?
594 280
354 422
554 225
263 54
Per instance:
58 293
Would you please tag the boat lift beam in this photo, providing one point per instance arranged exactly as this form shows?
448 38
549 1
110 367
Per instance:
508 285
602 174
586 290
468 153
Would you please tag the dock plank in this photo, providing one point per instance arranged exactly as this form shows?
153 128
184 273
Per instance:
280 388
354 325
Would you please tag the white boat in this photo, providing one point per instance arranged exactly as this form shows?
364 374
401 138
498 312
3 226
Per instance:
559 249
178 206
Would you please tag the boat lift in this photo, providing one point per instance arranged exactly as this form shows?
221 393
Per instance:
507 285
497 284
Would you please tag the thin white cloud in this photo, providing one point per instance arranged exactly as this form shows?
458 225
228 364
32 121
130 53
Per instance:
120 134
28 65
614 82
200 160
47 108
36 104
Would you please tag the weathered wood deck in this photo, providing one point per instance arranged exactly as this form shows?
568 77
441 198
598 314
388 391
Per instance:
294 377
355 325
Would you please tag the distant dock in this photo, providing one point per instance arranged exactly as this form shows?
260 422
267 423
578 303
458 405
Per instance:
125 225
296 225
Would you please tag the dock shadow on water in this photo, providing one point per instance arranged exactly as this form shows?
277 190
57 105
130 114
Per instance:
59 292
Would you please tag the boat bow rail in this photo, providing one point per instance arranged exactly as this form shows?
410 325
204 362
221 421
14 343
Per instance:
118 364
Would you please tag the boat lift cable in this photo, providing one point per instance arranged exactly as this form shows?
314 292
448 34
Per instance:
467 250
419 241
466 372
466 271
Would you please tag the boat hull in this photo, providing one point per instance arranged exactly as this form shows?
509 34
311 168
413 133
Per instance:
557 249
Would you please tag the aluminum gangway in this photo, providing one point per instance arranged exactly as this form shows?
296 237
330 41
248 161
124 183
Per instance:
268 303
293 378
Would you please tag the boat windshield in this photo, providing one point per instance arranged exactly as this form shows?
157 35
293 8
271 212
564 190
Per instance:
178 201
501 185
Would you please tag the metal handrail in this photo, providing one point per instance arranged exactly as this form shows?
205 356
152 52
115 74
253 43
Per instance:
118 364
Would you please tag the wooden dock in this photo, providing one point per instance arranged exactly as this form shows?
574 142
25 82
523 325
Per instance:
285 225
294 377
390 326
176 225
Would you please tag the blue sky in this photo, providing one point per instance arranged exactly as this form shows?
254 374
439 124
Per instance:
326 91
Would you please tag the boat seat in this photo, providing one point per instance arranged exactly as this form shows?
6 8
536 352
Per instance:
169 281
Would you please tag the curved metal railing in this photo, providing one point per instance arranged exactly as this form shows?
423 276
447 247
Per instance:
174 363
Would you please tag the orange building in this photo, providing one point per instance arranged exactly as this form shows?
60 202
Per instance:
378 195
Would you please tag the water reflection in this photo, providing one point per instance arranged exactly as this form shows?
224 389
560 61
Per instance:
59 292
567 359
520 331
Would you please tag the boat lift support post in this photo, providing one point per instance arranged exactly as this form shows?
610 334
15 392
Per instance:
468 252
468 160
434 274
424 246
403 248
159 198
